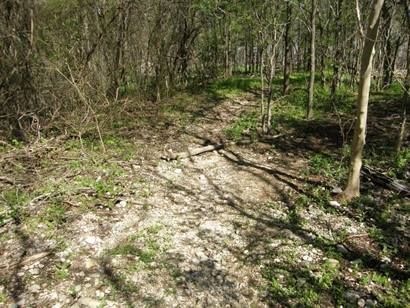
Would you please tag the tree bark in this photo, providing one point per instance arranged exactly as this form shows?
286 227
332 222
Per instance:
271 77
352 189
263 109
286 66
338 53
309 114
406 98
193 152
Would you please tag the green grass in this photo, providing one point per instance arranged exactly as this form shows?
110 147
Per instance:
233 86
62 270
247 123
145 245
306 287
3 298
13 204
327 166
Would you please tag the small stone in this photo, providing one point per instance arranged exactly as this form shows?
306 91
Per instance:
361 302
333 262
337 190
178 171
99 294
200 254
35 288
77 288
342 249
89 302
334 203
91 240
351 297
90 263
371 303
58 305
62 298
121 203
35 271
307 258
352 230
220 279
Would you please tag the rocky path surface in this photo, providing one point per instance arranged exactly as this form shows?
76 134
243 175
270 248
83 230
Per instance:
197 232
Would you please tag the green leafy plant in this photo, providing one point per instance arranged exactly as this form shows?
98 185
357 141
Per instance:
246 123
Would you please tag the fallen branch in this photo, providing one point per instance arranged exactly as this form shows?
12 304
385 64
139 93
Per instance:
27 260
193 152
7 180
385 181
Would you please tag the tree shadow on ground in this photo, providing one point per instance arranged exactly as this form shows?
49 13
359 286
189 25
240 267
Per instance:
15 283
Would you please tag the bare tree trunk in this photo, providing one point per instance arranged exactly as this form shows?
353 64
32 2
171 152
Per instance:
338 54
406 98
228 71
118 70
263 109
271 77
286 66
309 114
353 184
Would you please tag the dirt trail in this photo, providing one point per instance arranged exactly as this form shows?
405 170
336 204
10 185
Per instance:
199 234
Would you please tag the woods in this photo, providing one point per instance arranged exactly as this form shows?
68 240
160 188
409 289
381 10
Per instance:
204 152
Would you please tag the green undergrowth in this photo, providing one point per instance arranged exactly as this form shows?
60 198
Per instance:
233 86
143 251
80 178
247 123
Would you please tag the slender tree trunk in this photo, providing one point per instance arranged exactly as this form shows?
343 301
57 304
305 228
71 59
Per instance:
353 184
406 98
338 53
309 114
271 78
286 66
227 47
263 109
246 56
394 60
118 59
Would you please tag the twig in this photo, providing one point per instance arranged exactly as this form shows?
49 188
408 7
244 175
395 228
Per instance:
27 260
7 180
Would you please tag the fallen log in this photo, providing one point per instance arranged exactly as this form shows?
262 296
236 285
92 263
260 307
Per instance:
385 181
193 152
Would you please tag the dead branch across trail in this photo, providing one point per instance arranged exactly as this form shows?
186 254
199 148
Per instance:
27 260
194 152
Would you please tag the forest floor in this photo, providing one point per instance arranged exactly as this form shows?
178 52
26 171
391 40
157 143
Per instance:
249 226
